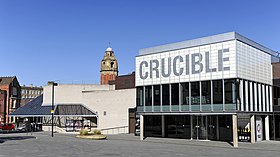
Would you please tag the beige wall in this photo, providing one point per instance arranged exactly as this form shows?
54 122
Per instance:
71 93
99 98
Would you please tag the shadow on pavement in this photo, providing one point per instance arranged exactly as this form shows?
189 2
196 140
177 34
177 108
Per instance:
11 138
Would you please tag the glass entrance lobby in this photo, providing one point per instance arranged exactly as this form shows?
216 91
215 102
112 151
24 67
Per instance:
196 127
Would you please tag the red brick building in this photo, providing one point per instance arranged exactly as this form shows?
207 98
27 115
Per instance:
3 102
10 88
124 81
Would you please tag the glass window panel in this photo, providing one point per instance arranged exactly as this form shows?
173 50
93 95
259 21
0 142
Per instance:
139 96
230 91
175 94
195 93
185 94
205 92
148 96
152 126
165 94
217 92
156 95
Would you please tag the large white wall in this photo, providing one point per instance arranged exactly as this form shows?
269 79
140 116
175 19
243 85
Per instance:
184 77
100 99
115 103
253 64
71 93
243 61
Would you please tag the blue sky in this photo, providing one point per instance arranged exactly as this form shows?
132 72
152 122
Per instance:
65 40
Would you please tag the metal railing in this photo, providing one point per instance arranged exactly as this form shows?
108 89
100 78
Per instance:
115 130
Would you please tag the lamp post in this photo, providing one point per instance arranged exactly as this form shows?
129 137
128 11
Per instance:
52 83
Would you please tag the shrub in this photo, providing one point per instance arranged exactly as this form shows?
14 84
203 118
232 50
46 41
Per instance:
97 132
84 132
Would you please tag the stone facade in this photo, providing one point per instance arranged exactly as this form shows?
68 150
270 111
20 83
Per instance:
29 93
109 67
110 105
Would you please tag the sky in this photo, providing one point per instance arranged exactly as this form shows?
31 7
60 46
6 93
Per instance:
65 40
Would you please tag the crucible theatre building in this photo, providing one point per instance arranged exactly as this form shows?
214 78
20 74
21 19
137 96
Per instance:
211 88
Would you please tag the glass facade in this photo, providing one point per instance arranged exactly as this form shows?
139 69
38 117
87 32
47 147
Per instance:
178 127
152 126
199 127
212 95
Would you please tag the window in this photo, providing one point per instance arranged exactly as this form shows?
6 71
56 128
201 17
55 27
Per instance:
165 94
139 96
217 92
195 93
14 91
175 94
205 92
156 95
230 91
148 96
185 94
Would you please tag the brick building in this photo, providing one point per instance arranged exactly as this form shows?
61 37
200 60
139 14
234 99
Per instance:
3 101
124 81
13 96
29 93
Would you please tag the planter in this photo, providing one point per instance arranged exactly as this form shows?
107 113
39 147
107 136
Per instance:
93 137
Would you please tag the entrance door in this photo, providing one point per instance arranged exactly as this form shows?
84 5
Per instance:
225 128
212 130
199 127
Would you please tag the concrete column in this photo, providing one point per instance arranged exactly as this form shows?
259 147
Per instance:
234 130
266 123
217 128
141 127
253 129
191 126
162 126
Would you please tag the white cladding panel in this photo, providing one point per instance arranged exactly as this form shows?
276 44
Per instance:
253 64
206 68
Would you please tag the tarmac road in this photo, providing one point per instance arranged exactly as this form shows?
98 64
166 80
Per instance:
41 144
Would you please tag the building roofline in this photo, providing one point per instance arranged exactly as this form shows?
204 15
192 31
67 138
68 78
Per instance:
204 41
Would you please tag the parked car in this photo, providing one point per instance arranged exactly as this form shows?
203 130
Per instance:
21 129
8 126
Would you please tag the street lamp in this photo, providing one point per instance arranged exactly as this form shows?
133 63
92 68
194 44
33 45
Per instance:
52 83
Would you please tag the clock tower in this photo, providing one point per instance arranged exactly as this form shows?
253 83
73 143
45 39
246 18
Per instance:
109 67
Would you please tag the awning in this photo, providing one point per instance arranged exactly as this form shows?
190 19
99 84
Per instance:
35 109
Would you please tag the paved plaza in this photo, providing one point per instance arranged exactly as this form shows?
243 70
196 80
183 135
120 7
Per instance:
67 145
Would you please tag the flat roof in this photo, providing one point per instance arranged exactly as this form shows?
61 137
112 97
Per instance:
204 41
